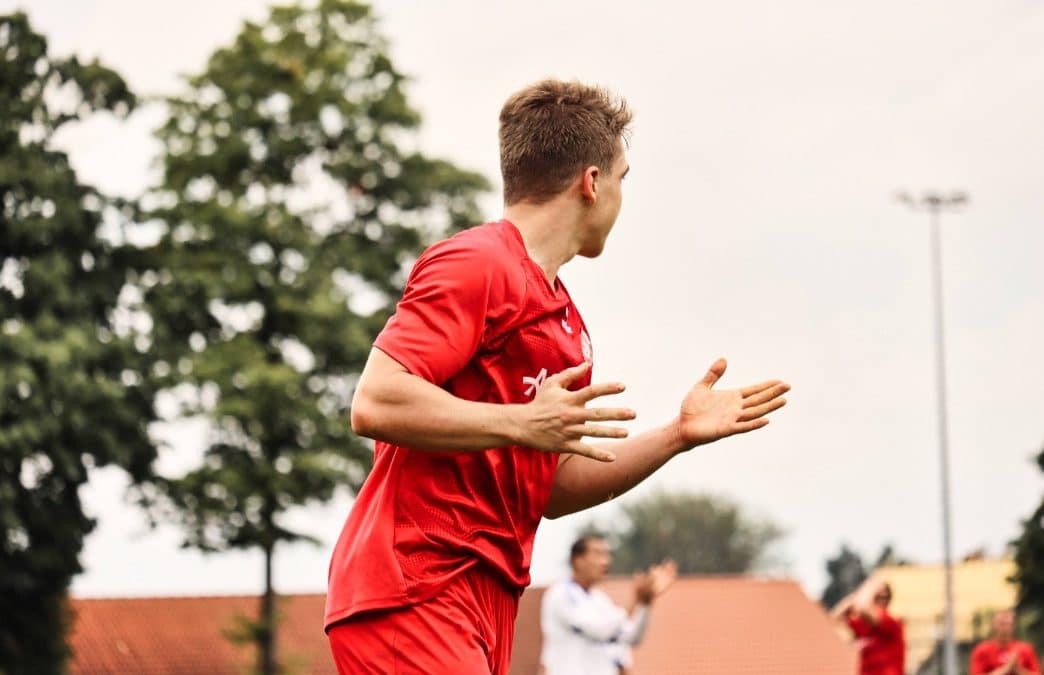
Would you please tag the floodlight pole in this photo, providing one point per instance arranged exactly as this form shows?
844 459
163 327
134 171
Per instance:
935 203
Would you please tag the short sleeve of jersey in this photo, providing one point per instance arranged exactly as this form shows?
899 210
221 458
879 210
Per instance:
979 661
854 623
452 292
1028 658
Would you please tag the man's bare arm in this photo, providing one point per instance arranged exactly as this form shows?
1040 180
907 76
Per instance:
1008 668
706 415
581 483
393 405
863 602
842 609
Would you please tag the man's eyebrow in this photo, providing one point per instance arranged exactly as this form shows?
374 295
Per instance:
625 171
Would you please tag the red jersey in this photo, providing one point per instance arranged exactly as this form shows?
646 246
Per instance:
989 655
882 648
478 318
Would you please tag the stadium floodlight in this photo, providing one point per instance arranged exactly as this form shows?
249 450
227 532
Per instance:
935 203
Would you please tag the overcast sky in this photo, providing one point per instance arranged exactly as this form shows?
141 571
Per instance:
759 223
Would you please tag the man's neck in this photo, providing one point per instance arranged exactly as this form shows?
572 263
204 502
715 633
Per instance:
582 583
549 232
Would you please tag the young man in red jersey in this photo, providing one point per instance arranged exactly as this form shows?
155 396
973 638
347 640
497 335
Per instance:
1002 654
477 394
880 636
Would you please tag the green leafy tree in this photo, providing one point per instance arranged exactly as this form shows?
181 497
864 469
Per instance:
703 534
847 572
889 557
71 397
1029 571
290 209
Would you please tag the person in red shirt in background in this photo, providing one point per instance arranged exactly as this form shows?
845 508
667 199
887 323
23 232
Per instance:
882 646
477 391
1003 654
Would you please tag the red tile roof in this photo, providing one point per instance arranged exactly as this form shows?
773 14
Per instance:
720 625
187 636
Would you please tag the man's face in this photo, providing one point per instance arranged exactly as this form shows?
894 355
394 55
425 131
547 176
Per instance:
592 565
883 597
607 205
1003 625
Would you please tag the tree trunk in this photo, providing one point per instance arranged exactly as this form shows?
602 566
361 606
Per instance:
266 634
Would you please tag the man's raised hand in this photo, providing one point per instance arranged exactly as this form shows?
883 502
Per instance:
663 575
557 419
651 583
708 414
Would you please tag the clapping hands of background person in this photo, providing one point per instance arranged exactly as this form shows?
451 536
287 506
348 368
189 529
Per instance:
652 583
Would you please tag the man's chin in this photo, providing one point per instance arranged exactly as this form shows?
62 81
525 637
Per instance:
592 251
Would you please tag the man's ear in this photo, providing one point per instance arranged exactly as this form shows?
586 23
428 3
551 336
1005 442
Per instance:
589 184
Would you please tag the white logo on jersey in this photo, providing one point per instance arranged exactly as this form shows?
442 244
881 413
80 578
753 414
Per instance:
535 382
565 323
585 345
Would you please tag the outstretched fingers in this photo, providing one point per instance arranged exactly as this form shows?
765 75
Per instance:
744 427
609 414
593 391
585 450
570 375
755 389
769 392
602 431
758 411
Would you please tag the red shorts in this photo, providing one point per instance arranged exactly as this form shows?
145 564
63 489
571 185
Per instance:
467 629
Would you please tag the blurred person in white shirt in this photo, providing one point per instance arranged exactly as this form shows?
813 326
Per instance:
586 632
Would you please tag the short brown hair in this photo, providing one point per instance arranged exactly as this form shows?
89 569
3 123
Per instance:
551 130
579 546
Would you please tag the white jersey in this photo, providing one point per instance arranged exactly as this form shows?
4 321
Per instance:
584 632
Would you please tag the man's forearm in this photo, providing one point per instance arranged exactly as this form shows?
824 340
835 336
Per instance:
581 483
634 629
406 410
393 405
842 608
